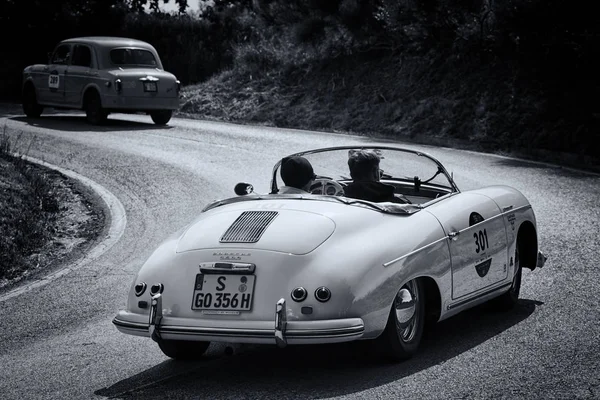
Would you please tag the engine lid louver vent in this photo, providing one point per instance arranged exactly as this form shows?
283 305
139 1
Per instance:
248 227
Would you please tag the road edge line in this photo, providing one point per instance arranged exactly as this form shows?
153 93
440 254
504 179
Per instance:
118 221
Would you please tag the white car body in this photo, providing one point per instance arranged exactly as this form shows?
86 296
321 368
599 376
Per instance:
362 254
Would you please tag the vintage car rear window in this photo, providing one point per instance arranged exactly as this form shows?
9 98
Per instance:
129 56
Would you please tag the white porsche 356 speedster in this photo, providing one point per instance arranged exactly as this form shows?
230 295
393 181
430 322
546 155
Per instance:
322 267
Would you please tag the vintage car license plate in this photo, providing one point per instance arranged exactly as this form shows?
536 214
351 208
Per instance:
150 87
223 292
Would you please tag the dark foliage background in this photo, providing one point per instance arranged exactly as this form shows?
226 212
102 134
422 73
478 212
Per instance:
506 74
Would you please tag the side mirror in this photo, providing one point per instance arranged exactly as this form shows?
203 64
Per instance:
242 189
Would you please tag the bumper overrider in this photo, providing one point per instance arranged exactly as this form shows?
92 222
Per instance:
278 331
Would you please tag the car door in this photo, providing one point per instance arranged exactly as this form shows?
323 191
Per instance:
52 89
79 73
477 242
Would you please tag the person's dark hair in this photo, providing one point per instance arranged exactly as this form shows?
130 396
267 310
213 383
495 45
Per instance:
296 172
362 163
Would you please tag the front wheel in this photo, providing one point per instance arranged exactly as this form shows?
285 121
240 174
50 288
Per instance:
508 300
161 117
402 335
183 349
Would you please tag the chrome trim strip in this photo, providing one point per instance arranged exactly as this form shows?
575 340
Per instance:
130 325
255 333
395 260
227 267
155 317
280 323
502 214
225 332
480 295
335 332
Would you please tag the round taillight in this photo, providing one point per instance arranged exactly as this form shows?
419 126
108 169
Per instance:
157 288
299 294
322 294
140 288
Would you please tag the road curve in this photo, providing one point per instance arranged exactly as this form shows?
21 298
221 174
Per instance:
58 342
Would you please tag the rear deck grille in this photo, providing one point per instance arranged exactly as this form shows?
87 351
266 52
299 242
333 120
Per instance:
248 227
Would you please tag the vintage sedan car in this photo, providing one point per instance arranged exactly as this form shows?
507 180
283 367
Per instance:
322 267
102 75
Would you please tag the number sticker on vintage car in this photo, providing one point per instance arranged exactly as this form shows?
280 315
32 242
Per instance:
481 241
53 81
223 292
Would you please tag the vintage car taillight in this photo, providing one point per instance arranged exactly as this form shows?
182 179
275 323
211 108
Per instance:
156 288
118 85
299 294
178 85
323 294
140 288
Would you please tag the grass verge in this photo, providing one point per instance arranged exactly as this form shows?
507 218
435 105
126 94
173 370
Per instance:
44 217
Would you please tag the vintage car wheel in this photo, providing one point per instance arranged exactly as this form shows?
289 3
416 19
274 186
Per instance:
183 349
31 108
404 329
161 117
508 300
94 112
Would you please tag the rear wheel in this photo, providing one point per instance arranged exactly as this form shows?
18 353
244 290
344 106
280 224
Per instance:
31 108
94 112
183 349
404 329
161 117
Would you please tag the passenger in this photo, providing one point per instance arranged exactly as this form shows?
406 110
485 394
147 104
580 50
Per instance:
297 175
365 173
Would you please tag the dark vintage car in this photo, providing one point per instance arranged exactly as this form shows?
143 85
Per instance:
102 75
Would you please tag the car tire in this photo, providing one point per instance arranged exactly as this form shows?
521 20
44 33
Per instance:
161 117
402 335
94 112
509 300
183 349
31 108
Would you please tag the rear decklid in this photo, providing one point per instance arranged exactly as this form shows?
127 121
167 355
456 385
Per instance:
289 231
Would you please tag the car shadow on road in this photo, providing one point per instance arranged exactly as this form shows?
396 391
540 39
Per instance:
77 123
317 371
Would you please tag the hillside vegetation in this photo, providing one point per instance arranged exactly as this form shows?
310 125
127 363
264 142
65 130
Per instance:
517 75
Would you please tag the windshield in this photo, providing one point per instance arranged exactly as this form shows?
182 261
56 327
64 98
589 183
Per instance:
415 177
132 57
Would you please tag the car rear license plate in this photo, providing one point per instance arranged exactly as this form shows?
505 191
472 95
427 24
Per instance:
150 87
223 292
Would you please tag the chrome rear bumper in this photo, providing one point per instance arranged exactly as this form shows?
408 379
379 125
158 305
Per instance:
280 331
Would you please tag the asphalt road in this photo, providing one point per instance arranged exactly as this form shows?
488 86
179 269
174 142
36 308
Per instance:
58 342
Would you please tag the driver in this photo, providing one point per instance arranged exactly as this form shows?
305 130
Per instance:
365 172
297 174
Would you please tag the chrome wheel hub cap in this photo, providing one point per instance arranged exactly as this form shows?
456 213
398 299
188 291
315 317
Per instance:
405 308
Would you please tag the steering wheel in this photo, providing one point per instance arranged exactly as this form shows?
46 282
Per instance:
327 187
